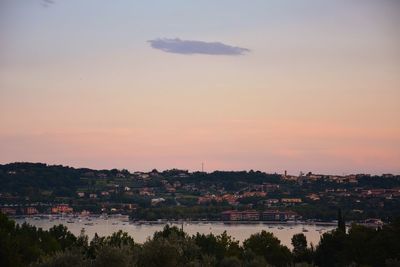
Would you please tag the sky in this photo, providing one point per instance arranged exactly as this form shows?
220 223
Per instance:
305 85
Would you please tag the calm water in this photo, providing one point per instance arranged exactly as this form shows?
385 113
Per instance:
140 232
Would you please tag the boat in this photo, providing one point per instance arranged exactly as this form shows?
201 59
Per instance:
305 230
89 224
70 221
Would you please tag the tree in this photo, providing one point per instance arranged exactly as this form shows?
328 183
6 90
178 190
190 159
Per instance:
267 245
119 239
299 242
341 222
62 235
169 231
64 259
170 247
220 246
257 261
82 240
230 262
160 252
114 256
331 250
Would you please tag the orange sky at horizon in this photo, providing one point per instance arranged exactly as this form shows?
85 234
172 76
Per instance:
318 91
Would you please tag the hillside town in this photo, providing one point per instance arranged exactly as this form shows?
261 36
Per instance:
183 195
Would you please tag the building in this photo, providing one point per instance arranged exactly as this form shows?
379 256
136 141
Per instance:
146 192
254 194
275 215
30 211
62 208
313 197
373 192
177 184
267 187
250 215
231 215
234 215
271 201
290 178
253 215
8 211
291 200
129 206
231 199
169 188
156 201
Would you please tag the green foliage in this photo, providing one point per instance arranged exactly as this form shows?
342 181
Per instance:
29 178
170 232
119 239
64 237
168 248
299 242
220 246
267 245
301 253
257 261
65 258
230 262
363 246
341 222
24 245
116 256
331 249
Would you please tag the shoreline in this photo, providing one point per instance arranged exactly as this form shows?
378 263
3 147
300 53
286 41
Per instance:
167 221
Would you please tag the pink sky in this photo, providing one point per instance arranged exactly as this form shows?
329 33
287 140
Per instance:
318 91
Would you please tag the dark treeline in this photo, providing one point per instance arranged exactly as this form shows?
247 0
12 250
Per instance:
64 180
26 245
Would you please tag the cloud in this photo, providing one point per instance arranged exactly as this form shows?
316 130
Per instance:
188 47
47 3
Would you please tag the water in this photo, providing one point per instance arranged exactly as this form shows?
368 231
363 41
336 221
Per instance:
140 232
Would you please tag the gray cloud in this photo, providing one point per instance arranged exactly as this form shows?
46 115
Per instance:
188 47
47 3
